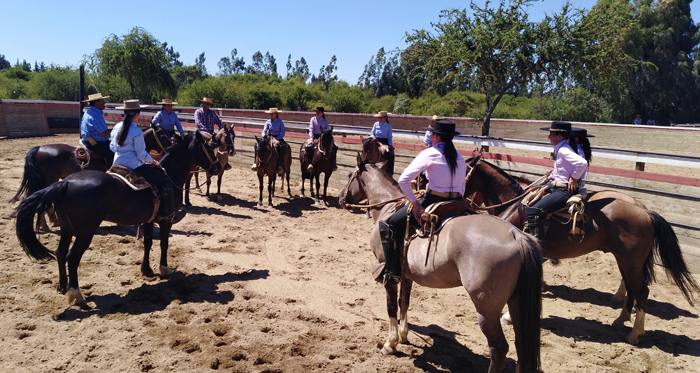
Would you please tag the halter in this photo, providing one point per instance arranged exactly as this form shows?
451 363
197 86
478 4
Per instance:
212 162
471 170
163 149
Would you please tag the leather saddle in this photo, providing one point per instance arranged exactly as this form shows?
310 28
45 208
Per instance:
136 182
572 212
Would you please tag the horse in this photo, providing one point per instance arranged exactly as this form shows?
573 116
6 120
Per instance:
47 164
223 141
323 161
636 236
267 165
495 262
372 153
85 199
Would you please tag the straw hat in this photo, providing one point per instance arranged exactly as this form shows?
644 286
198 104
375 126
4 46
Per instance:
207 100
273 110
436 117
381 114
131 105
444 127
167 101
95 97
558 127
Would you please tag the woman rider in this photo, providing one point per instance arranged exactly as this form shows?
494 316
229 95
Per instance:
126 141
381 130
446 171
579 137
317 125
569 167
167 119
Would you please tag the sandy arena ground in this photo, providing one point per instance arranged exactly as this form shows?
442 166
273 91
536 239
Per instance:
288 289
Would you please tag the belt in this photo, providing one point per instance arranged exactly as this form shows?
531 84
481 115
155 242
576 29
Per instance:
445 194
559 184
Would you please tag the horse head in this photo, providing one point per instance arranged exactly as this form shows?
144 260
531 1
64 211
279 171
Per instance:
326 142
486 183
229 140
204 153
162 138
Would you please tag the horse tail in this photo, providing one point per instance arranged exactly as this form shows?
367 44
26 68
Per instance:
666 248
31 181
36 204
529 289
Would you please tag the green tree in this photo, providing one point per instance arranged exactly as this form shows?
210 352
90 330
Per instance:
57 83
4 64
325 74
495 50
139 59
299 71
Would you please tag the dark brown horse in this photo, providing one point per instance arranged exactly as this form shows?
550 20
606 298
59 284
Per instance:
85 199
47 164
267 165
496 263
323 161
634 235
223 143
372 153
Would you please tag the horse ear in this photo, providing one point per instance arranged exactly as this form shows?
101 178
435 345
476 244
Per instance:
359 159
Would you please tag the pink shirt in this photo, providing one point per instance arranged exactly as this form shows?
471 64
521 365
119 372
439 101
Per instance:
433 162
567 164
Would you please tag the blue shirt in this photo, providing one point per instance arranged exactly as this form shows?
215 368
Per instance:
93 124
382 131
426 139
168 121
275 127
132 153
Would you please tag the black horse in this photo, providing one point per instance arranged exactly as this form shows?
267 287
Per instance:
85 199
323 161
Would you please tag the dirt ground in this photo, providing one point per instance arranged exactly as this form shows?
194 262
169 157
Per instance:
288 289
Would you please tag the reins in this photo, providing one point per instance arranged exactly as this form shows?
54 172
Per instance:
211 164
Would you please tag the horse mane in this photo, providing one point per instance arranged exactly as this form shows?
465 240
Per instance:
504 175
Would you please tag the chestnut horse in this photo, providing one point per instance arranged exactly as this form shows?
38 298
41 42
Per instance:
267 165
323 161
372 153
634 235
495 262
223 142
85 199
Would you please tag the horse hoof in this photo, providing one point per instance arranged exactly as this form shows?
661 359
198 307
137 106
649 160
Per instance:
61 289
388 350
259 204
165 271
618 324
75 298
632 339
147 272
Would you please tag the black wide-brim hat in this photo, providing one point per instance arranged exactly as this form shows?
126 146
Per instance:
580 132
558 127
320 108
443 127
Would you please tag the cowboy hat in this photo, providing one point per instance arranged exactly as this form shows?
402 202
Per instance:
444 127
580 132
207 100
436 117
381 114
273 110
95 97
320 108
131 105
558 127
167 101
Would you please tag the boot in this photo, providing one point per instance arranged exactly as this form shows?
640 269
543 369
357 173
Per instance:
392 259
167 203
280 160
535 226
310 157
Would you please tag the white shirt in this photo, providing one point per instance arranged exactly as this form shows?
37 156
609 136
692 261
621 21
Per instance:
567 164
433 162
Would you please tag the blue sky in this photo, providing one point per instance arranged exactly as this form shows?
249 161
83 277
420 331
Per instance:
63 31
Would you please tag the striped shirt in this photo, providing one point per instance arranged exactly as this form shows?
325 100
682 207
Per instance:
168 121
205 120
93 124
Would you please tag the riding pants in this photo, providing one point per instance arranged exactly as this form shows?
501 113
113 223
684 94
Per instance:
102 148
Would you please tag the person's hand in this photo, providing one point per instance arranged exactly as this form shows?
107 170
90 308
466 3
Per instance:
417 210
156 163
549 172
573 185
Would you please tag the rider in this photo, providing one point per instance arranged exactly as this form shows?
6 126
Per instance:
317 125
130 151
381 130
204 118
94 132
275 127
568 169
446 170
167 118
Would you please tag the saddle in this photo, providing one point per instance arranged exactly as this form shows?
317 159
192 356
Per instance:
572 212
136 182
83 155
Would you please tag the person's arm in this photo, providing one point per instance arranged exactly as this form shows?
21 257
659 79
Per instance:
578 164
198 119
420 163
266 127
389 136
140 148
179 126
113 138
156 118
373 131
282 130
311 129
218 120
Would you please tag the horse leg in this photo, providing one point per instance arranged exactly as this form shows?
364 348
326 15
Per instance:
289 191
490 325
147 244
270 188
208 184
638 292
51 214
619 297
218 186
61 252
404 300
391 308
326 178
311 184
187 190
318 186
164 237
73 258
260 182
303 180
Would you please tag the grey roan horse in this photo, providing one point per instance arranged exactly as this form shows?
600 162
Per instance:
495 262
85 199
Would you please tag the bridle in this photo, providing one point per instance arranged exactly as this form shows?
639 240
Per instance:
367 206
156 133
231 137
